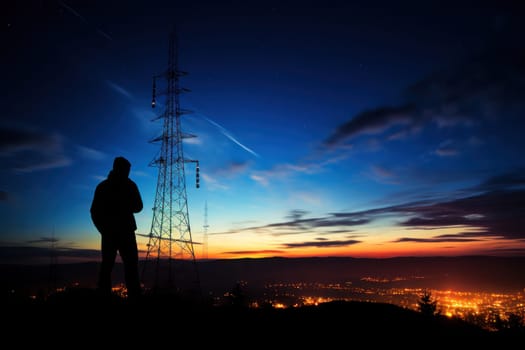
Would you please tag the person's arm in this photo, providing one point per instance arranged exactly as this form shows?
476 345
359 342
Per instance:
136 199
96 210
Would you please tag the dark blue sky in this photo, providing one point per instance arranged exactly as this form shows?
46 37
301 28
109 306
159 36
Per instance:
370 128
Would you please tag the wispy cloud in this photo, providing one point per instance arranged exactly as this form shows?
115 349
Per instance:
119 89
284 170
29 149
91 153
300 224
436 240
214 177
32 254
473 95
446 152
447 149
486 87
43 240
493 210
509 180
322 243
374 121
212 183
383 175
493 213
233 169
253 252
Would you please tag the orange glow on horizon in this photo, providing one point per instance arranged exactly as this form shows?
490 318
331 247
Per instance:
378 244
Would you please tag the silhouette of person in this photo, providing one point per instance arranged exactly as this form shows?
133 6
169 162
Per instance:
115 202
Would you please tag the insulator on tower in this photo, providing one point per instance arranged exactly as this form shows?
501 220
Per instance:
153 102
197 178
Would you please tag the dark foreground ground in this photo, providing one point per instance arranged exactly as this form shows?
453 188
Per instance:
84 320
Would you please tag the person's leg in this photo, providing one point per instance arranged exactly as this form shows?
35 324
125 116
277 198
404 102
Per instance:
109 254
130 258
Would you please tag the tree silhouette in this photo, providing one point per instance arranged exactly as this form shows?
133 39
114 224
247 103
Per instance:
512 324
427 304
515 321
237 296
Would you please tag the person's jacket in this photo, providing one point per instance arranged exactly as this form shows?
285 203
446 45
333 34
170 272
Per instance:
116 200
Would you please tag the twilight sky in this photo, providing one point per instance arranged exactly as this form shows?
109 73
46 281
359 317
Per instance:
364 129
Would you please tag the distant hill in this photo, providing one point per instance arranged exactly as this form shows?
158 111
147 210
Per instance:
475 273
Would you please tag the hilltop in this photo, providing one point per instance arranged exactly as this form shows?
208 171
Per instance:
158 318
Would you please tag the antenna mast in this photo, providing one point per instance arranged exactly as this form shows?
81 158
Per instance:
170 245
205 243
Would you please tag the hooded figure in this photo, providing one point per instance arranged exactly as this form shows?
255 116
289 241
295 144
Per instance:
115 202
